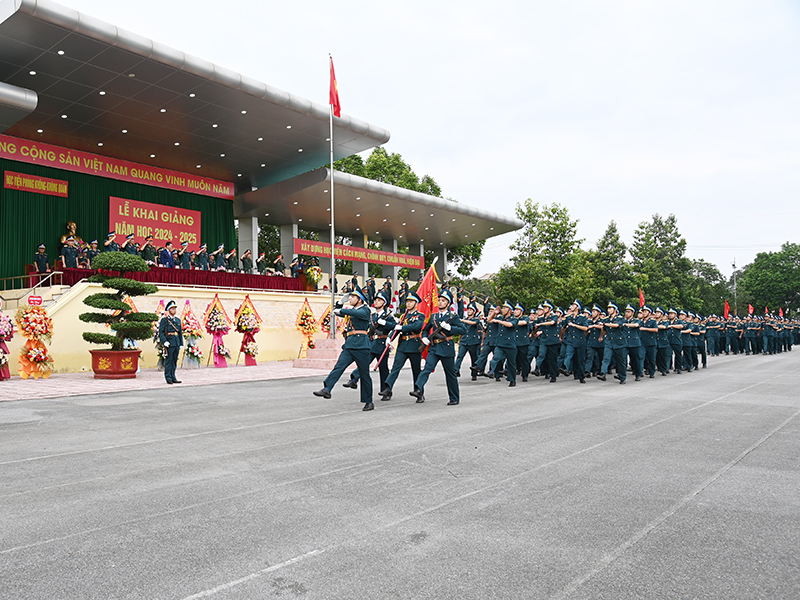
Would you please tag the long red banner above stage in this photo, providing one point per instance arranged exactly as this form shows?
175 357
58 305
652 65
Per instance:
93 164
367 255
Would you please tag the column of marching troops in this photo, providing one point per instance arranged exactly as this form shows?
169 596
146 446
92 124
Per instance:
505 341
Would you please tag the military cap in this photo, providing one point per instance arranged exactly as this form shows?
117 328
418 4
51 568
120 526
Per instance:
413 296
519 306
647 308
597 308
578 302
447 295
382 295
130 237
360 294
546 304
170 304
659 310
630 307
112 233
42 246
508 304
612 305
93 242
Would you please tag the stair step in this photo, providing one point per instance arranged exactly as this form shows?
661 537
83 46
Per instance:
323 354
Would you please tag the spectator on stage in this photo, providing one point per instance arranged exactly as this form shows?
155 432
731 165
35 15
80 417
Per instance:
110 245
184 256
280 268
129 245
219 258
233 264
294 267
40 261
148 251
247 262
261 263
92 251
165 256
69 254
83 260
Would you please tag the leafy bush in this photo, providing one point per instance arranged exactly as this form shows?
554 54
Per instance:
112 267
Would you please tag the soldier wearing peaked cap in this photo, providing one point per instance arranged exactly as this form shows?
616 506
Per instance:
437 335
110 245
381 325
547 324
92 251
171 337
69 254
148 251
184 256
218 256
408 332
489 340
202 257
247 262
40 260
613 327
523 340
356 349
129 245
505 344
687 344
674 329
470 342
633 342
594 342
261 263
575 326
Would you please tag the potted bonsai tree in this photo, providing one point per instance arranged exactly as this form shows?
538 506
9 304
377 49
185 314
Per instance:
117 362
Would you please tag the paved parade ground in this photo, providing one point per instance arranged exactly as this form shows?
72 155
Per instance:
683 486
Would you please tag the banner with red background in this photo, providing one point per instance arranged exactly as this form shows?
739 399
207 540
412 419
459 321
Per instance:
103 166
367 255
164 223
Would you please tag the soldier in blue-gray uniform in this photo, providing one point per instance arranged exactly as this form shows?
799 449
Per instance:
549 339
407 330
523 340
663 348
356 348
633 343
594 342
437 335
40 260
110 245
381 325
613 326
69 254
184 257
505 344
648 333
201 259
490 338
129 245
92 251
171 337
674 329
575 326
470 342
687 343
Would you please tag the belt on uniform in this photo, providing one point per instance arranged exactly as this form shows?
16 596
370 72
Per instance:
357 332
379 337
411 336
448 339
171 333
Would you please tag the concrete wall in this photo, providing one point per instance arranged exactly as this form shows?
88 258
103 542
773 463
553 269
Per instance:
278 339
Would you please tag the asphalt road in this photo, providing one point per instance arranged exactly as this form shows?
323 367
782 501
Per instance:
686 486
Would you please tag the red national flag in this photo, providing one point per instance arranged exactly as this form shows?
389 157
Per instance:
780 312
727 310
641 298
766 310
334 101
750 309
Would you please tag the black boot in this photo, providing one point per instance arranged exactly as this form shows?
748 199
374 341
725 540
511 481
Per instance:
323 393
352 384
368 406
417 393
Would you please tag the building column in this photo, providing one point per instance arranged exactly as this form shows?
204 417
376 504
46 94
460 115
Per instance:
288 235
248 238
389 270
362 268
413 274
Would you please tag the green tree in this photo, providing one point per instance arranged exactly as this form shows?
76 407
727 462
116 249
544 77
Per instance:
548 263
612 275
708 288
390 168
659 262
773 279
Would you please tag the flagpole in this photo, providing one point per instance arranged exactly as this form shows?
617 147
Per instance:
332 320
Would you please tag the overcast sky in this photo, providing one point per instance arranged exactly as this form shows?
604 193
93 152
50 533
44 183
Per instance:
615 109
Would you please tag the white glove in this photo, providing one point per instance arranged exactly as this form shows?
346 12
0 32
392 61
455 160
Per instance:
398 327
381 322
426 341
445 325
337 311
388 341
166 344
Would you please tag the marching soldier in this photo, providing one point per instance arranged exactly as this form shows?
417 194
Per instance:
547 324
633 342
594 343
438 334
381 326
523 341
356 349
489 341
171 337
575 326
470 342
408 329
613 326
674 329
505 344
663 348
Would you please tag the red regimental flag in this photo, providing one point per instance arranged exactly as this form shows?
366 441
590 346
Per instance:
766 310
727 309
641 298
750 309
429 297
334 101
780 312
